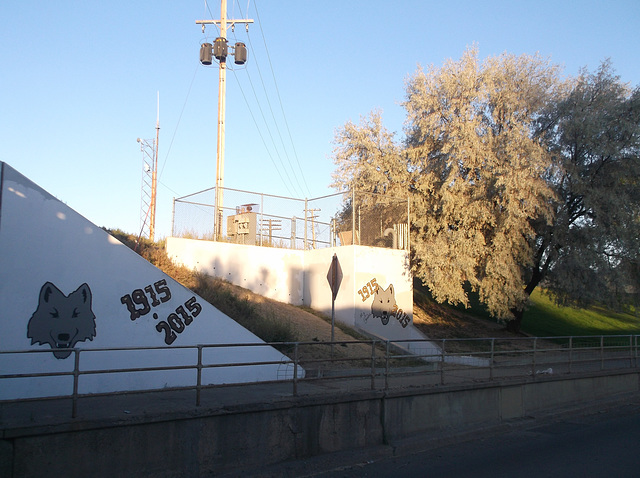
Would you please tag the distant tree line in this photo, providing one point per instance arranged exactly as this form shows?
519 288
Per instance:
517 177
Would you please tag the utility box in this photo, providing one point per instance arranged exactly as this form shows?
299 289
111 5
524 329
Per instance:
243 226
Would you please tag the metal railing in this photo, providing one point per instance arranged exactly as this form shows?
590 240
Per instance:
357 365
254 218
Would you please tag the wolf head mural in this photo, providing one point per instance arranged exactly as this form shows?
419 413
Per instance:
62 321
384 303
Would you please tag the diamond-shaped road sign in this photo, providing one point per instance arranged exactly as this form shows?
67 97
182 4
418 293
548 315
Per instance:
334 276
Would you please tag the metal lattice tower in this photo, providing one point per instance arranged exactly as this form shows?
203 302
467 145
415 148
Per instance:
148 148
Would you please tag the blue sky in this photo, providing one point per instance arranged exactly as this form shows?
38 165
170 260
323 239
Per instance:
78 85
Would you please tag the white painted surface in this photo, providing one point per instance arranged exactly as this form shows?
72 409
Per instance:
300 277
42 240
270 272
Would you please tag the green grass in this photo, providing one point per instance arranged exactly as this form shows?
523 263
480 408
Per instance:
543 318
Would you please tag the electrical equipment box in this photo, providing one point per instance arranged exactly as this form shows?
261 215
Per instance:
240 53
220 49
205 53
243 226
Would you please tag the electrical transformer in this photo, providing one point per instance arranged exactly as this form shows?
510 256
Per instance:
243 226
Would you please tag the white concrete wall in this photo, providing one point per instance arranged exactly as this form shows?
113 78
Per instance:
300 277
274 273
42 241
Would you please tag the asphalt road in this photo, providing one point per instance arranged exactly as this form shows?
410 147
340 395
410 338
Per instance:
601 444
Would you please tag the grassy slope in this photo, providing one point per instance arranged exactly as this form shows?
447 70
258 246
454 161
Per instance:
544 318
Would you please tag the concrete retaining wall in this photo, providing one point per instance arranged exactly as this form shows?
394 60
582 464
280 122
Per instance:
65 283
300 278
254 436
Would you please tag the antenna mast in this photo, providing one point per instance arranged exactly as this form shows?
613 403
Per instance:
154 177
149 148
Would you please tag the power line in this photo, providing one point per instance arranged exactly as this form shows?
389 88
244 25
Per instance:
260 134
280 99
175 131
290 171
264 88
299 187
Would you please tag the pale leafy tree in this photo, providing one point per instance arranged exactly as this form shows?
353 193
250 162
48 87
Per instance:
516 177
478 170
589 253
367 157
369 166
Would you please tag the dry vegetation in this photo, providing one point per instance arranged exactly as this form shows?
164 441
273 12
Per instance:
275 321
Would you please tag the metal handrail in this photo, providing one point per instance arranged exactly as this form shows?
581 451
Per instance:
453 360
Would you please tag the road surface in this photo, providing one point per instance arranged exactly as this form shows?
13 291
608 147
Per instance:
605 443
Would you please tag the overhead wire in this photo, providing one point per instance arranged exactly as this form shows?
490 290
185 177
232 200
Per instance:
280 99
288 181
266 125
178 123
275 123
258 103
273 115
299 187
260 134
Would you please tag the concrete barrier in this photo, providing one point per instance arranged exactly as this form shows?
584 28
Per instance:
276 429
66 284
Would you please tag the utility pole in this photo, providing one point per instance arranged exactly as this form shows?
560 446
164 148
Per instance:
220 52
312 218
274 225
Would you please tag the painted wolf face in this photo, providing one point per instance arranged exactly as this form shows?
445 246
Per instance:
62 321
384 303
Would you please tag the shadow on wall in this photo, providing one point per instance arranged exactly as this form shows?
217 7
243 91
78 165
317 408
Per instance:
264 271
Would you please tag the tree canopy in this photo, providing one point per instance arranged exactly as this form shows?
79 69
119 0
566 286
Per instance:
590 250
515 174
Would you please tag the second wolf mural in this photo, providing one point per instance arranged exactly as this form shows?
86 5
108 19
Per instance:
384 305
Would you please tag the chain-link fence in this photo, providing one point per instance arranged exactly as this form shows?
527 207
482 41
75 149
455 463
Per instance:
252 218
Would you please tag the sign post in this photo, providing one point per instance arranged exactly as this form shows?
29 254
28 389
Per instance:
334 276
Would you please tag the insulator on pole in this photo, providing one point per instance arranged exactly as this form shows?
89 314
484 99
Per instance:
205 53
240 53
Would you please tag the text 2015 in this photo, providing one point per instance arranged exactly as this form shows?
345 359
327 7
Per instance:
158 294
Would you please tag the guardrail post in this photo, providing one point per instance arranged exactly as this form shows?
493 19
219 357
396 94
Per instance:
386 367
493 341
373 365
295 370
199 375
570 352
602 352
631 351
635 339
442 355
76 375
533 357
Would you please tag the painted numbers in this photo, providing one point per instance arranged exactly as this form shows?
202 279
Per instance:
141 301
179 320
159 294
400 316
368 290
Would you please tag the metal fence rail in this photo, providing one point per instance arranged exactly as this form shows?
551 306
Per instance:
373 364
254 218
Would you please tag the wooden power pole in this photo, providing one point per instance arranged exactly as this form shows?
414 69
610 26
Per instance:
220 52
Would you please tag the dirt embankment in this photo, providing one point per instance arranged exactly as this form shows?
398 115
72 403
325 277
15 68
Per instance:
434 320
